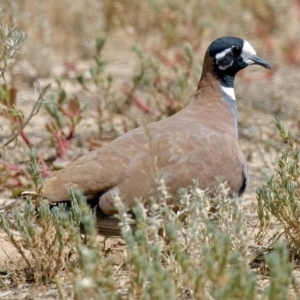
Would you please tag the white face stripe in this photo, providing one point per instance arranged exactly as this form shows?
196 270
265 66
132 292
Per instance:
229 91
248 51
223 53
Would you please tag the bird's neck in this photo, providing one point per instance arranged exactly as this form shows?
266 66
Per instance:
218 98
228 96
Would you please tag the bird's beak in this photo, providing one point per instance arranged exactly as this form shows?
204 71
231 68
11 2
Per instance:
256 60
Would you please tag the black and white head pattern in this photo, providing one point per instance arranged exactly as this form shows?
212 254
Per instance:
230 55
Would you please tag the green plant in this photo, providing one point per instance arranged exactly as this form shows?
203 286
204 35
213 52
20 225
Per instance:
194 251
191 250
281 273
278 199
11 39
65 113
11 174
101 88
41 239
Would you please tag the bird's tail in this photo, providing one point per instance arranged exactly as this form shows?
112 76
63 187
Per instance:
106 225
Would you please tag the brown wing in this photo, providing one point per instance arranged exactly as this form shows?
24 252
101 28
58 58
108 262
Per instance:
106 167
97 171
207 156
180 148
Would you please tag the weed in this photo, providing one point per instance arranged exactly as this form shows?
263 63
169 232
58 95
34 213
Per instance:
64 112
101 88
43 243
195 250
279 198
11 40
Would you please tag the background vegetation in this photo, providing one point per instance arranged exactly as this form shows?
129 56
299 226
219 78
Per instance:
76 74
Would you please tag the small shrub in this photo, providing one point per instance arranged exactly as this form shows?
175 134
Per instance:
11 39
279 198
66 114
193 252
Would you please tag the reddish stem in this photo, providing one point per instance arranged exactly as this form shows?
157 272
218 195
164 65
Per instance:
62 147
25 138
136 100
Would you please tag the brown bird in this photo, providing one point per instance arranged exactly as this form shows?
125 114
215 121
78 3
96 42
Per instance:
199 142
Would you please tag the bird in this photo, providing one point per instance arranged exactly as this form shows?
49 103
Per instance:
200 142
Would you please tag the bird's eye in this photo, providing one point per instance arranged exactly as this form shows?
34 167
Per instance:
236 50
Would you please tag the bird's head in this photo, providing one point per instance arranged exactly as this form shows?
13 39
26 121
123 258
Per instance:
227 55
